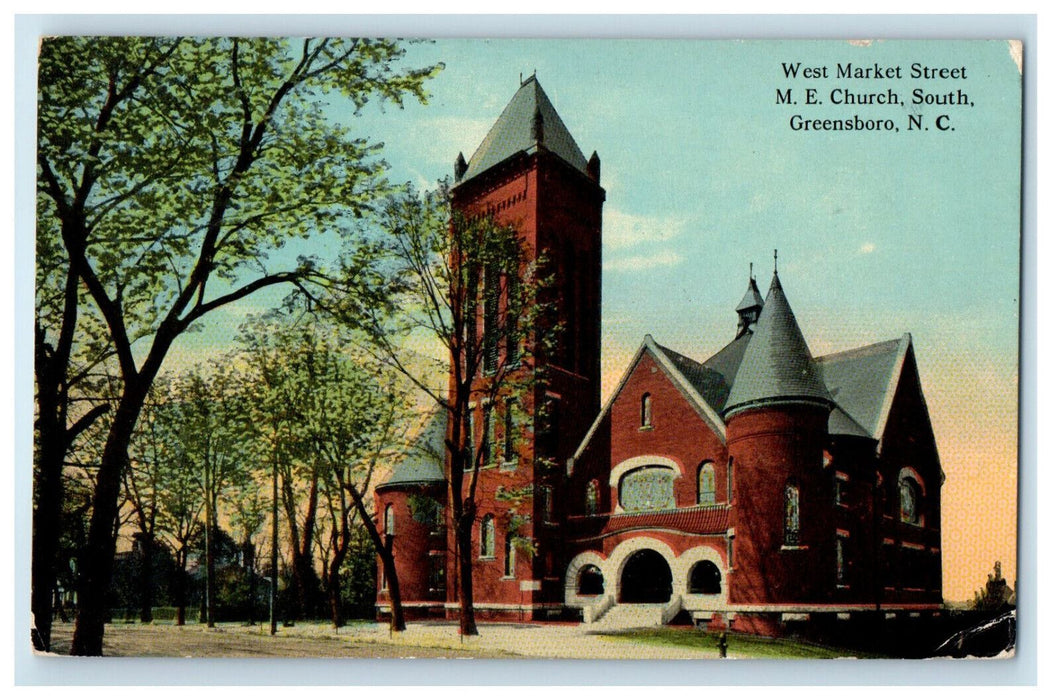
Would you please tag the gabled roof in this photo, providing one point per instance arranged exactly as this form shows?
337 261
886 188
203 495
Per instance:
777 364
528 121
680 371
422 463
863 380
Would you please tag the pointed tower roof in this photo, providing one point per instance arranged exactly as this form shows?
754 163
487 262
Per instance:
752 298
777 364
527 123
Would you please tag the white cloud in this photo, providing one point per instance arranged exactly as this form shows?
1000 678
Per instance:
636 263
867 248
622 230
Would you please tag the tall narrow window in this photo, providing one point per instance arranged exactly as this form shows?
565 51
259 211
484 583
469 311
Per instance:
509 555
491 311
487 434
729 484
547 504
909 494
391 529
511 330
487 538
468 427
841 489
592 498
645 411
707 484
509 431
840 560
791 516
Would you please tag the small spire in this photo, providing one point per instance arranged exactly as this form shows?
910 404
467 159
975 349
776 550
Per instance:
775 262
751 272
460 167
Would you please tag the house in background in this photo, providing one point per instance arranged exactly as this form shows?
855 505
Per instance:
758 486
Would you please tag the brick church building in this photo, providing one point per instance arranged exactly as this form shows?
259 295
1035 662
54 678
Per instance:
758 486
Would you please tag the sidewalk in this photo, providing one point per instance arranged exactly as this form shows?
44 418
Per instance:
569 641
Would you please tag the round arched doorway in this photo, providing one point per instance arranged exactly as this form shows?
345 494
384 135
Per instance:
646 578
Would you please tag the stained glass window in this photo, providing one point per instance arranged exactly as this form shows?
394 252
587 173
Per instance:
791 516
909 493
647 488
707 485
592 498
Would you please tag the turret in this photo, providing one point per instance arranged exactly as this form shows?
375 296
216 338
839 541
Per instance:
749 308
776 425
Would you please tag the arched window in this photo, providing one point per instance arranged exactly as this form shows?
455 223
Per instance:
589 580
509 555
487 538
704 578
645 411
791 516
647 488
592 498
707 484
908 491
391 528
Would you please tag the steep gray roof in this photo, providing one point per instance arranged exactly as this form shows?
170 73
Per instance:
422 463
752 298
777 363
517 131
713 378
863 380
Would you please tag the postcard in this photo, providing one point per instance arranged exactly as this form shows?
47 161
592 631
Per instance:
501 348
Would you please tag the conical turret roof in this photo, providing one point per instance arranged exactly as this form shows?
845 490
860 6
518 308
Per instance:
752 298
528 122
777 364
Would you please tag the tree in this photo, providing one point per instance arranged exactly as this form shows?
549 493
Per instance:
68 348
343 414
147 452
472 286
165 164
214 437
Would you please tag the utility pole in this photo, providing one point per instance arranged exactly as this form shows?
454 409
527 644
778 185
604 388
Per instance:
274 585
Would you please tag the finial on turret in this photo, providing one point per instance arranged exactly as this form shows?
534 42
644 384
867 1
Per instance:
593 166
751 272
460 167
775 262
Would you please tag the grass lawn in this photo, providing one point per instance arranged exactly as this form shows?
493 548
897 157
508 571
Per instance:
741 645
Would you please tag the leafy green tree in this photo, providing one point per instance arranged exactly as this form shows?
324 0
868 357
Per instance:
170 172
344 416
471 287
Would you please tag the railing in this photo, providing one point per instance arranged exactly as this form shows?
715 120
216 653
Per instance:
672 609
597 610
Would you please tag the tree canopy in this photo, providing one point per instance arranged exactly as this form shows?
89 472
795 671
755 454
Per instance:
172 172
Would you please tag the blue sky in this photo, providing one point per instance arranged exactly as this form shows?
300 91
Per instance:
878 233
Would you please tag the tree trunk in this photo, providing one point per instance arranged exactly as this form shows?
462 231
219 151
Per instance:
334 590
47 516
211 583
146 579
97 562
468 627
181 592
385 552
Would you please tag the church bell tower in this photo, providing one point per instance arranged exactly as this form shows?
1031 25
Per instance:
530 174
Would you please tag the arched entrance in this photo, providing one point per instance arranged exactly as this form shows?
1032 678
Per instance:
646 578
